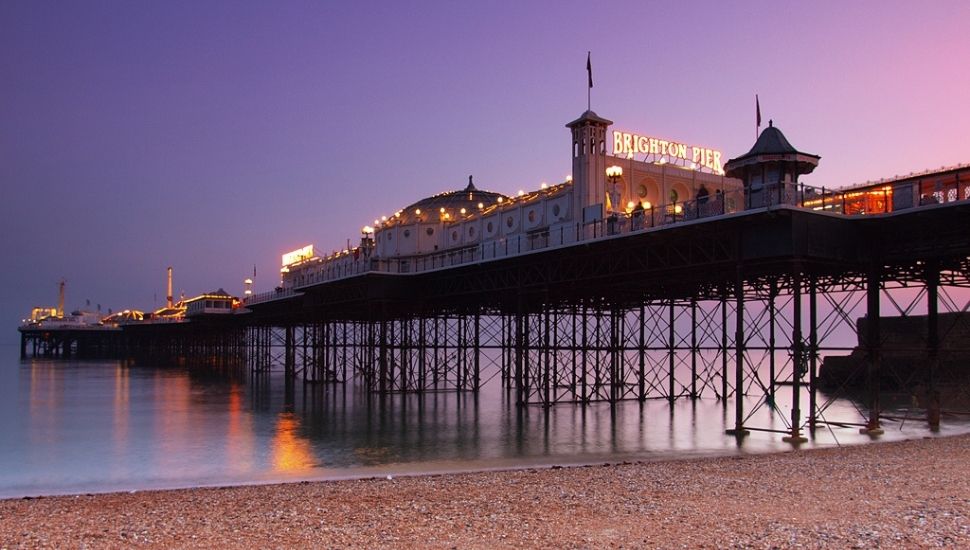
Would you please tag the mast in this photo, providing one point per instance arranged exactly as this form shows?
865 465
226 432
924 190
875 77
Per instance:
168 293
60 298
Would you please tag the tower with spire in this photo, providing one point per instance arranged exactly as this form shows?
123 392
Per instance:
770 170
589 165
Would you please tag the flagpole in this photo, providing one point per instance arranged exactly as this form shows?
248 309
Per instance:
757 117
589 89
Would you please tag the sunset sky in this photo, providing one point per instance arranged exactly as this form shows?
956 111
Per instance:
211 136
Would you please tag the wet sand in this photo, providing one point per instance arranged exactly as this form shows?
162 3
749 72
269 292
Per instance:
890 495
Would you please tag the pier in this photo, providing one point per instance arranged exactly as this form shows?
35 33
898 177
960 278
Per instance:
736 296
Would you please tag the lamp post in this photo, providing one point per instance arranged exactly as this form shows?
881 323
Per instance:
614 173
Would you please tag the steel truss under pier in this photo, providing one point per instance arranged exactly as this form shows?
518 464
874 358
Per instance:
71 343
398 355
200 343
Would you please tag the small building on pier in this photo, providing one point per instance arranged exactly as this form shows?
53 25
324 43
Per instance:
218 302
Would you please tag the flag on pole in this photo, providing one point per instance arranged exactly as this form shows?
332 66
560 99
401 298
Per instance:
589 69
757 110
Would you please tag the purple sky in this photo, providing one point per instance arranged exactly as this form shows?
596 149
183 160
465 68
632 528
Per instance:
212 136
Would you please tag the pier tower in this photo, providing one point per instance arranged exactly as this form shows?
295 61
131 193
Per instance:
589 166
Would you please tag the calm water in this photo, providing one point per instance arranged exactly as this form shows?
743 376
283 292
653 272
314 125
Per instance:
69 427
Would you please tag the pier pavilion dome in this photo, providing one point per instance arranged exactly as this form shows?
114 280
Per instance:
770 170
771 147
468 198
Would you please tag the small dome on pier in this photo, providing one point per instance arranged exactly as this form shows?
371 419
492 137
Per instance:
452 201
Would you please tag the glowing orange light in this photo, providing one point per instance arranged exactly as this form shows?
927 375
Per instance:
290 452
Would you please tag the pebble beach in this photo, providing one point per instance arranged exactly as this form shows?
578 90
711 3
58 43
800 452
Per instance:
909 494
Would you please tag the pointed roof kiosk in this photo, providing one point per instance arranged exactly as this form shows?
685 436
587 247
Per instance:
770 169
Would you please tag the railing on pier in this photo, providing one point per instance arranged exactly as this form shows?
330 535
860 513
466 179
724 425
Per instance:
278 293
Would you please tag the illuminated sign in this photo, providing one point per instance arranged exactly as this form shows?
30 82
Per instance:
297 256
626 144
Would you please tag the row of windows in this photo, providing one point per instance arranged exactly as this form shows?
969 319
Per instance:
490 227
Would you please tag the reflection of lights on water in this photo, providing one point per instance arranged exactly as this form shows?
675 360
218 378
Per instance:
122 401
240 438
291 453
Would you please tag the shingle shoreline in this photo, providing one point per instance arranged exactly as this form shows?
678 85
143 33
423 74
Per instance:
901 494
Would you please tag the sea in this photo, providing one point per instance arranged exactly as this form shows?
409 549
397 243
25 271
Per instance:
70 427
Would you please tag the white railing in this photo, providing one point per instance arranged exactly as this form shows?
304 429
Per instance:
276 294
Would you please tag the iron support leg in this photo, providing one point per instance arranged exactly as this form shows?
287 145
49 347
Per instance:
933 345
772 375
813 353
738 430
724 348
874 348
520 397
642 357
671 353
797 361
693 348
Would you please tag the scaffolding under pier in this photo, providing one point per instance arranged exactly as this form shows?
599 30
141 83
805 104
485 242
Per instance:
72 342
